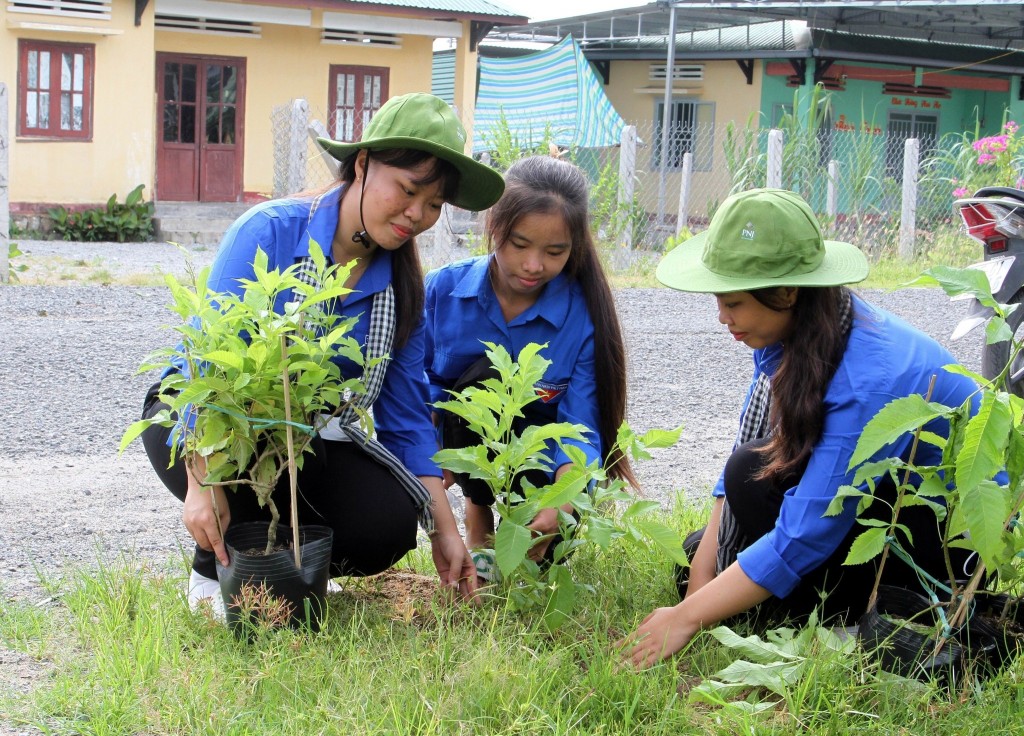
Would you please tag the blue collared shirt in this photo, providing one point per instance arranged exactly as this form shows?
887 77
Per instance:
463 312
283 228
885 359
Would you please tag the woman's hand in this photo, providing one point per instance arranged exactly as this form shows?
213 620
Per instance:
663 633
454 565
199 516
544 526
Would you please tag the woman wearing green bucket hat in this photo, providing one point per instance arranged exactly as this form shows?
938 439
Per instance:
825 362
392 185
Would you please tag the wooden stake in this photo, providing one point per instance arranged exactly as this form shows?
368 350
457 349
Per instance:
293 482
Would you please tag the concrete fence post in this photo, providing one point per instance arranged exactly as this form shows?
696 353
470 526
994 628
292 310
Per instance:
5 199
908 213
832 193
298 122
775 143
685 187
627 181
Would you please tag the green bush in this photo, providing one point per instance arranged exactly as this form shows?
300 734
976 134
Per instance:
130 221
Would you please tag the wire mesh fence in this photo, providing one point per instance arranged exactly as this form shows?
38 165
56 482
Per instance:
881 192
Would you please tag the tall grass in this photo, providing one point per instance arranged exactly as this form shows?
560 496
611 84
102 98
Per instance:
123 654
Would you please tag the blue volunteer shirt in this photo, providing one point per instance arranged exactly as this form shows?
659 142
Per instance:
885 359
283 229
463 312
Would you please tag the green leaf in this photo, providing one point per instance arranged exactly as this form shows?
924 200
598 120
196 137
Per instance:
562 598
986 508
751 646
660 438
775 676
956 281
986 436
564 490
511 543
867 546
891 422
666 538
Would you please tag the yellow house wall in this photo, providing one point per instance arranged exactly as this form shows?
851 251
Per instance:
121 153
288 63
724 84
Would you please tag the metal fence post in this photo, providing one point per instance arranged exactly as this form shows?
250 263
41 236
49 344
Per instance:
683 213
775 142
5 201
908 213
832 191
627 179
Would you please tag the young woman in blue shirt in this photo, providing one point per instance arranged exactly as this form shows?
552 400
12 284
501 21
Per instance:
825 362
541 282
392 186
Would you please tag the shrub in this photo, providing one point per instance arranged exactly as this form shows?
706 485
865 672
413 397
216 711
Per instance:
130 221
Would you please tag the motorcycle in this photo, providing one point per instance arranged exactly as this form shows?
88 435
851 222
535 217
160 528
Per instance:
994 217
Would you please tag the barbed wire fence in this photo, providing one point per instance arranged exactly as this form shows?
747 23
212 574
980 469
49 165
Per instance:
887 195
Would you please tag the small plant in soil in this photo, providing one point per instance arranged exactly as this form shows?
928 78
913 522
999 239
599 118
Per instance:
249 386
605 511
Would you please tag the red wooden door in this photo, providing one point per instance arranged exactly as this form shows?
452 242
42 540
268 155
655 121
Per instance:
200 140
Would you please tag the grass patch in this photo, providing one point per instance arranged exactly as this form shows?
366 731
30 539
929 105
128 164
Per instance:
125 655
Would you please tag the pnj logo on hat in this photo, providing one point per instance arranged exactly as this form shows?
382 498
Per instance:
748 232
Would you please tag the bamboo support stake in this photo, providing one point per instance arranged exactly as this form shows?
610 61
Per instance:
292 479
899 503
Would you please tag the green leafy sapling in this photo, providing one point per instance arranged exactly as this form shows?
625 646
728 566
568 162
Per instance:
252 386
980 513
490 409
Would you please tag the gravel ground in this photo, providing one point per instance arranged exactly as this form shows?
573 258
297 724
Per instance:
68 388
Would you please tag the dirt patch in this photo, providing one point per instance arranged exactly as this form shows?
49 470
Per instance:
408 595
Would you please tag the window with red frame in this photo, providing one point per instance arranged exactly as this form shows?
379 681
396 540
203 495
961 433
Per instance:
55 83
356 93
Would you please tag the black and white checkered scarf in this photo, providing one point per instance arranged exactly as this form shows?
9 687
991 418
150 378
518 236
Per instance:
379 341
755 424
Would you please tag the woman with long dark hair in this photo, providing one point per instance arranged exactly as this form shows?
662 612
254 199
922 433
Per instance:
825 362
542 282
371 491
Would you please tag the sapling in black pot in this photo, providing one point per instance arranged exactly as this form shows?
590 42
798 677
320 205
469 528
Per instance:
248 390
976 492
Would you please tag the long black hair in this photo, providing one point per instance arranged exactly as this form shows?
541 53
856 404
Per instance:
406 270
813 350
544 184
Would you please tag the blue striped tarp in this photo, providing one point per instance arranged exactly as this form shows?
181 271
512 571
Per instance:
553 92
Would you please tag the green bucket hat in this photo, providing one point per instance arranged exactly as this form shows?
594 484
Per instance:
759 239
426 123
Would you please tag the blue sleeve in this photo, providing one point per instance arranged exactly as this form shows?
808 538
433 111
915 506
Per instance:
580 406
401 413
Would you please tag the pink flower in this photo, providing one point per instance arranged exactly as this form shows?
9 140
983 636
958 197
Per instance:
1020 183
985 158
1011 127
960 192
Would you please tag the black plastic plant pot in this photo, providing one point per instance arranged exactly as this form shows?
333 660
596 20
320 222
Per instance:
901 630
261 589
1003 618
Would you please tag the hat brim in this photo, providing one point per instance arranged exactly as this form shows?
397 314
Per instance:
682 268
480 186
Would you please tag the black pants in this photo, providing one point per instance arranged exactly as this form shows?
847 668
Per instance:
373 517
756 504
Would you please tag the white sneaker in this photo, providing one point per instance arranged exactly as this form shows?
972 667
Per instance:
205 592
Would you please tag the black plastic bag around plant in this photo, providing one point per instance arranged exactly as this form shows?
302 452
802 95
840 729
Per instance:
900 629
261 588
